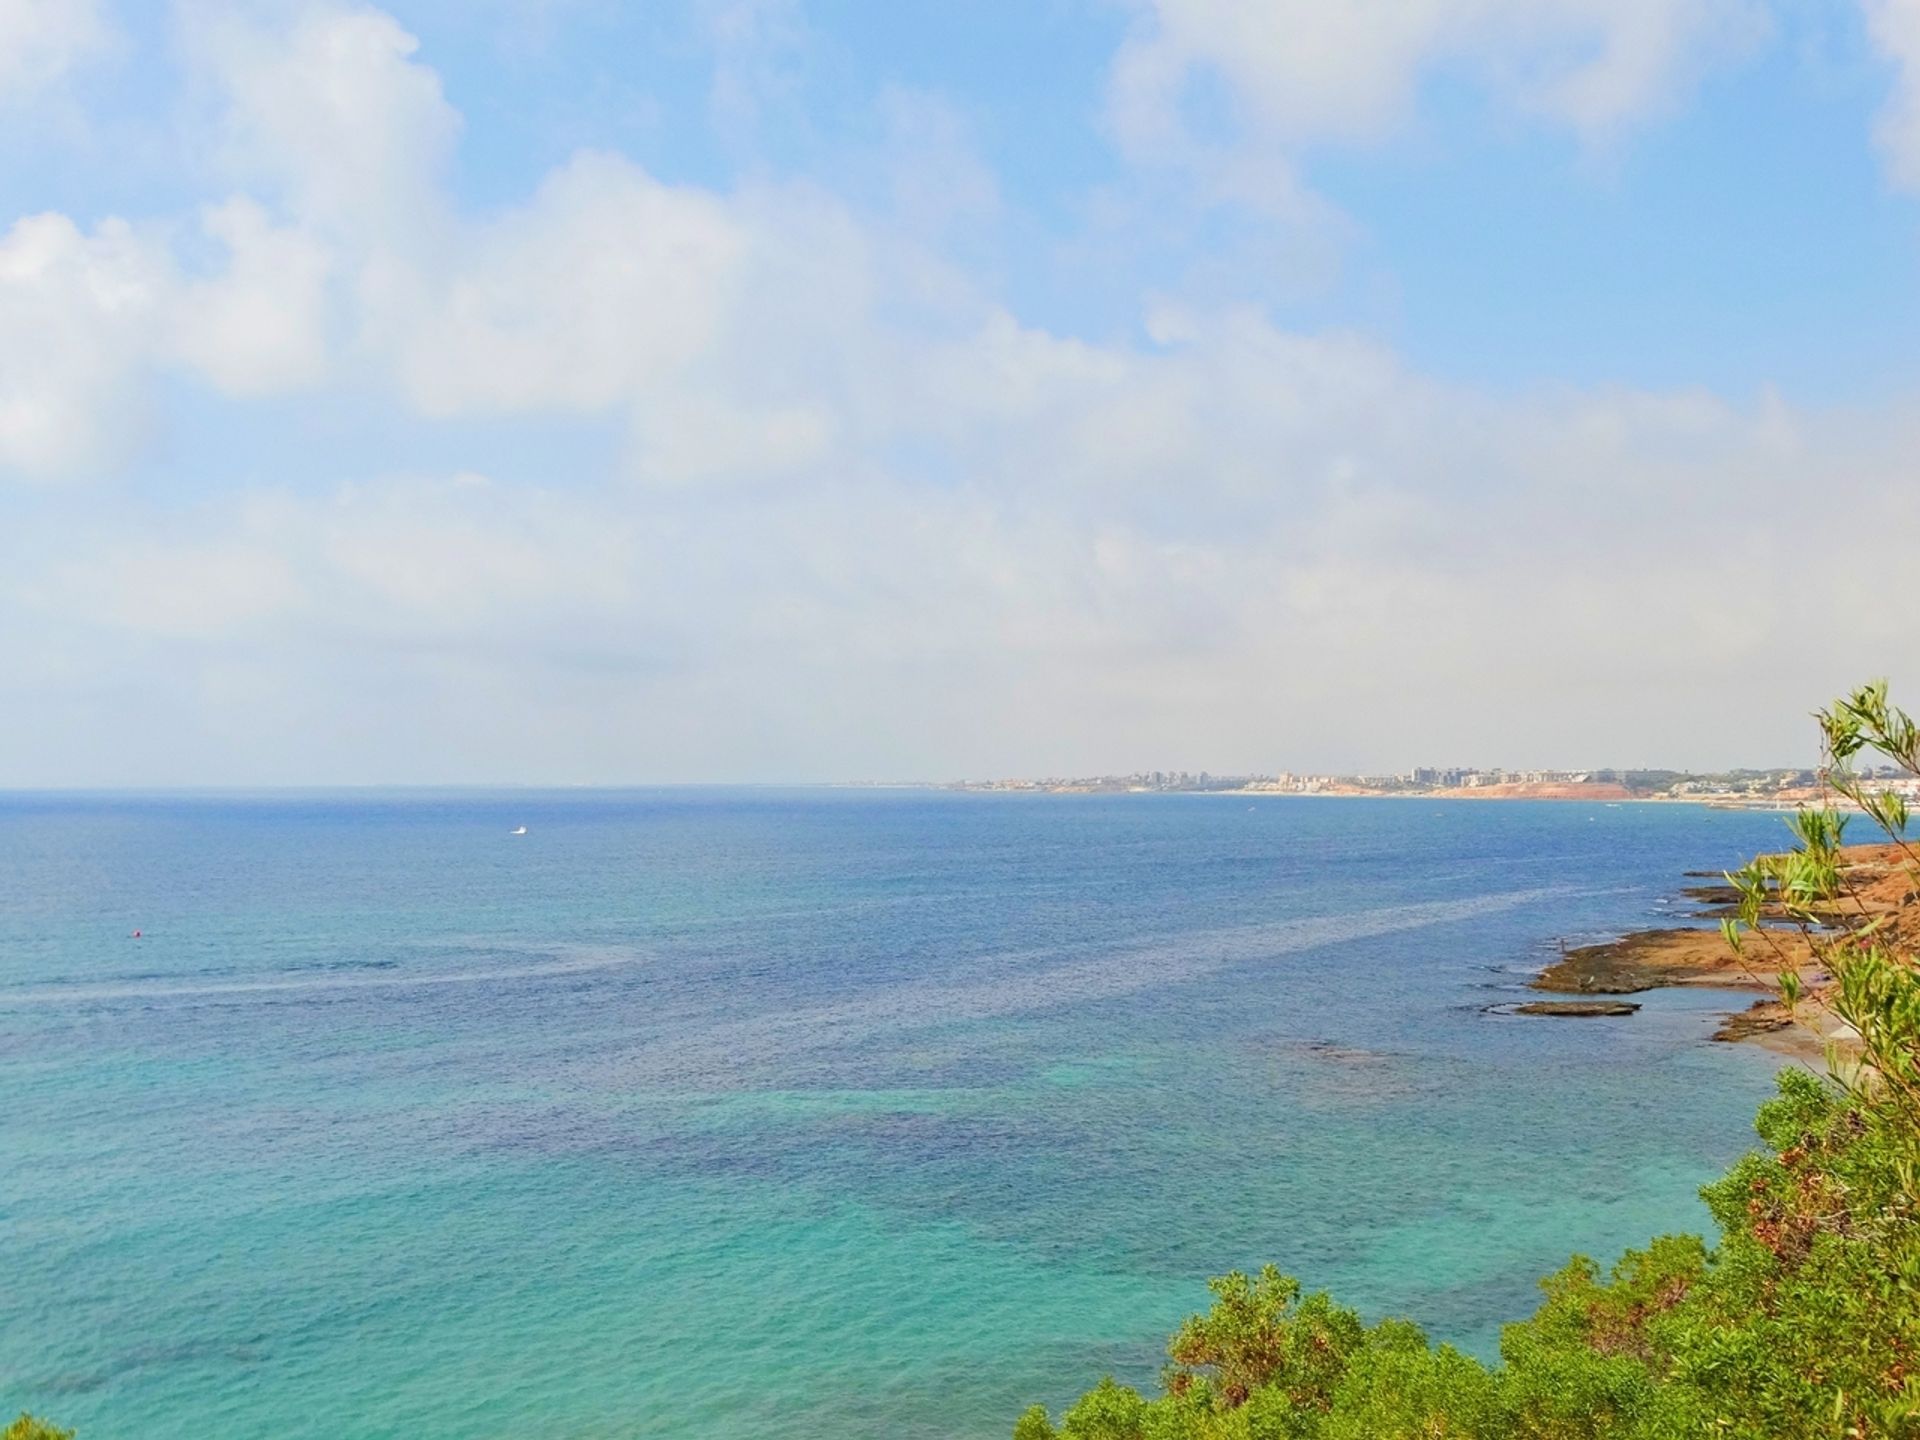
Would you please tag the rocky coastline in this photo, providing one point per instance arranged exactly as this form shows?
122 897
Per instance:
1880 885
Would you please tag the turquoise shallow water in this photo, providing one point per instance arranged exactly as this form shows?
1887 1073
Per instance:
815 1114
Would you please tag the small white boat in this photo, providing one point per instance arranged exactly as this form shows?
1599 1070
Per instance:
518 830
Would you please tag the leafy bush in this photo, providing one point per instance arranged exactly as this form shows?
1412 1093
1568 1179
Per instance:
1802 1322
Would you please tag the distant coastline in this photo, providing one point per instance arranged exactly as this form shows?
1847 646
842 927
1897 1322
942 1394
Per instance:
1741 789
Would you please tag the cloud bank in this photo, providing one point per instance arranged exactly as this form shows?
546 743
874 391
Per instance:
839 511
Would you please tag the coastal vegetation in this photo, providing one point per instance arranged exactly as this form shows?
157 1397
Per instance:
1803 1320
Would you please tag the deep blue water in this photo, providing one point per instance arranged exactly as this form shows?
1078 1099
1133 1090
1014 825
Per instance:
802 1114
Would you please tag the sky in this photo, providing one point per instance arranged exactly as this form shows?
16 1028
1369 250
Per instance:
584 392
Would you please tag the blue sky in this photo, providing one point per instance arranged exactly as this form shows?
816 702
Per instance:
562 390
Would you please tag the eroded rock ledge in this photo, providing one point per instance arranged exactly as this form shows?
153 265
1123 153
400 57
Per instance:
1879 884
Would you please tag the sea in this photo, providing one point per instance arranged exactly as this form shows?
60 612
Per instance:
815 1114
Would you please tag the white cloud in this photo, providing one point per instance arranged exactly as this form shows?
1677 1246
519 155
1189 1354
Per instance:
335 114
605 282
78 319
260 324
1894 26
89 320
1302 71
42 41
605 292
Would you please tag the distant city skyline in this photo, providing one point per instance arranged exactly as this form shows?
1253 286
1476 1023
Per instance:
552 392
1785 787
